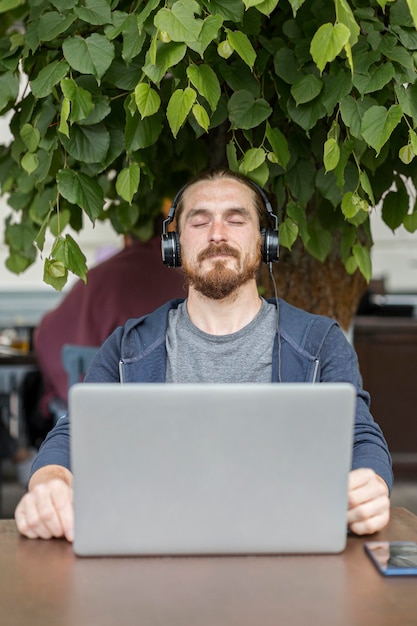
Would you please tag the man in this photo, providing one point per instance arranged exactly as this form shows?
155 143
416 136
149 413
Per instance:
223 332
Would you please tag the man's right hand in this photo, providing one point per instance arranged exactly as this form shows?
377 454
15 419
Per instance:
46 511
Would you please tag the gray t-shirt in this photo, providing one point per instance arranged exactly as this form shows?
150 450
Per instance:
244 356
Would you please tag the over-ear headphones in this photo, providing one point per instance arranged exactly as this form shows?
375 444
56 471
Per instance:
170 241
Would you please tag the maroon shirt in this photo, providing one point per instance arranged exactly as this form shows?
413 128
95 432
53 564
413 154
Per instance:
129 284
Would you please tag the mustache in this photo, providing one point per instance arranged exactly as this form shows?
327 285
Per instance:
214 249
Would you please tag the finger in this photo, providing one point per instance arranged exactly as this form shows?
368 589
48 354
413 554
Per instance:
370 516
373 489
28 519
370 525
63 503
21 521
359 477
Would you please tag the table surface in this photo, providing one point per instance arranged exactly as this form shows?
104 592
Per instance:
44 583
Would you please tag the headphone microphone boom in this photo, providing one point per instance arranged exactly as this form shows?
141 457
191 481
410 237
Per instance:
170 241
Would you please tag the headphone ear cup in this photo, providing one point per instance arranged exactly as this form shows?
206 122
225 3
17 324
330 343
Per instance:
269 245
171 249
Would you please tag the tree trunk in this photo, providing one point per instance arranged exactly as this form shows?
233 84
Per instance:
322 288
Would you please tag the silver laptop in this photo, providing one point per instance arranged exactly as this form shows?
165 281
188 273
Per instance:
164 469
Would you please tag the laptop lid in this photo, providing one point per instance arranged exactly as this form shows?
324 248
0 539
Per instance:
210 468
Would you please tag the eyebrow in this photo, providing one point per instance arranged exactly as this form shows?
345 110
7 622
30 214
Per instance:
231 211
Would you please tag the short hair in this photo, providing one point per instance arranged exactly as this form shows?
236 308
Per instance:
217 174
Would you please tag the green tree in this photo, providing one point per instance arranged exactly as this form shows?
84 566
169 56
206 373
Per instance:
115 104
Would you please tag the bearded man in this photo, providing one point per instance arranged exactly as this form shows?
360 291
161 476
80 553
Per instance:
222 332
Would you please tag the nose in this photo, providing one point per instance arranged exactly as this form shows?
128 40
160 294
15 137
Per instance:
217 232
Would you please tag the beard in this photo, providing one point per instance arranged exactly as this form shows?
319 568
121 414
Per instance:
221 281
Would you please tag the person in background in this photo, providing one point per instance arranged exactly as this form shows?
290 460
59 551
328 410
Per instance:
222 332
131 283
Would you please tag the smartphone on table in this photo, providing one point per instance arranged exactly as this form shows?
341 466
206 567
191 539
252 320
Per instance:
393 558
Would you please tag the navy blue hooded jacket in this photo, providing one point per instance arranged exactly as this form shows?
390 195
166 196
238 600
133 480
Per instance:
309 348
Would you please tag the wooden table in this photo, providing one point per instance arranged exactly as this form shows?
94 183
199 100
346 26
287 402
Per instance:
44 583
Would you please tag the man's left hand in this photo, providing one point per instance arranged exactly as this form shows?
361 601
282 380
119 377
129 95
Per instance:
368 502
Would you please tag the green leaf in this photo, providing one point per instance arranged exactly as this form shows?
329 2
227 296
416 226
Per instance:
298 215
52 24
363 259
127 182
30 163
264 6
351 204
63 122
241 44
232 156
148 8
320 241
147 99
327 43
224 49
9 89
30 136
306 88
141 134
20 237
413 140
82 190
395 208
68 252
55 274
9 5
406 154
306 115
94 12
133 39
80 99
288 233
209 32
92 55
352 111
179 106
247 112
260 175
48 77
17 263
378 124
375 80
366 186
331 154
345 16
179 22
253 158
232 10
335 89
301 180
206 82
88 144
279 145
295 5
286 65
167 55
201 116
410 222
412 5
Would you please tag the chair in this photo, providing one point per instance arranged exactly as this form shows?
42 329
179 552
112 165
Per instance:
76 360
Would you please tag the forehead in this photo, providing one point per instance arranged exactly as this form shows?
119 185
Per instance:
222 192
